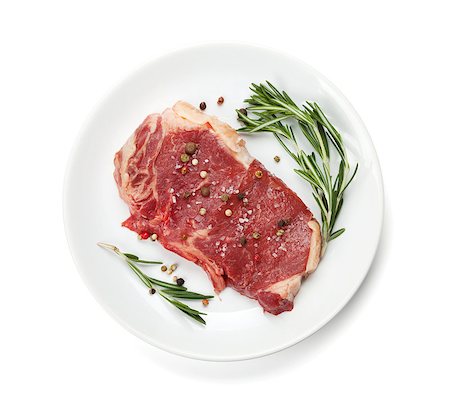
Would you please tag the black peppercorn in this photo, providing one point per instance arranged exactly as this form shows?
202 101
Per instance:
180 281
202 106
243 241
243 111
220 100
152 291
282 223
241 196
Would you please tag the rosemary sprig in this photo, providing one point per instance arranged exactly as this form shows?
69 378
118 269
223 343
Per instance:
271 108
170 291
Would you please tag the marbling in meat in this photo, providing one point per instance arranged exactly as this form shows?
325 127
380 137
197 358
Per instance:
187 177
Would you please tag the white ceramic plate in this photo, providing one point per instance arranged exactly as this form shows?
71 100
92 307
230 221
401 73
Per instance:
236 327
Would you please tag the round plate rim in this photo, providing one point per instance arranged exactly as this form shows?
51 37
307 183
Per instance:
344 104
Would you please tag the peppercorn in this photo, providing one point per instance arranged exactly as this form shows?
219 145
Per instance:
186 194
180 281
184 158
203 174
205 302
280 233
190 148
154 237
184 170
276 158
256 235
241 196
282 223
228 212
202 211
152 291
202 106
224 197
220 100
259 174
164 268
205 191
194 162
243 111
243 241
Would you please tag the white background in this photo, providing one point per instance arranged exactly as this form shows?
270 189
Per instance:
390 345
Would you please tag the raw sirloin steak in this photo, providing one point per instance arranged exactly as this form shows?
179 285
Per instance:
188 178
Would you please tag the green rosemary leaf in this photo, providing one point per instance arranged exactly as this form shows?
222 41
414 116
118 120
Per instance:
186 294
166 285
131 256
336 234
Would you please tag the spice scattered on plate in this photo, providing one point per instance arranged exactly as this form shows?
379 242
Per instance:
202 106
220 100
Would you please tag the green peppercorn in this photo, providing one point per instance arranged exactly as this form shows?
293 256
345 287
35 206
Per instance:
225 197
190 148
256 235
184 158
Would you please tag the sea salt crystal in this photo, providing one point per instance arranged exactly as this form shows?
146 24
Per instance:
171 190
241 220
174 199
206 161
274 255
276 205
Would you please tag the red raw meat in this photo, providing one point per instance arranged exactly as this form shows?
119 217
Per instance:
245 250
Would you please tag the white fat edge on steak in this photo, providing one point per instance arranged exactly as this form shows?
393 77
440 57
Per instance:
129 150
226 134
215 273
288 288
